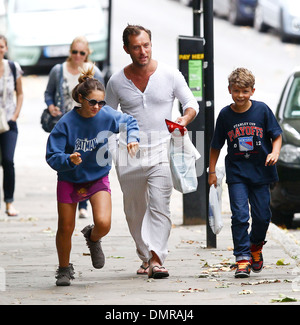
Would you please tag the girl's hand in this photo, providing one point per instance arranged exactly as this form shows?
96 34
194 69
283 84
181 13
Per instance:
76 158
132 148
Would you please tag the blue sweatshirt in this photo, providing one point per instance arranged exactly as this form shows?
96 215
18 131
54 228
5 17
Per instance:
88 136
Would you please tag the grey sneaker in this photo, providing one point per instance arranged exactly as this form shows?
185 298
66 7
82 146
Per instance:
97 256
64 275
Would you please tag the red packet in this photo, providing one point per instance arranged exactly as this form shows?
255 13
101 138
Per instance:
172 126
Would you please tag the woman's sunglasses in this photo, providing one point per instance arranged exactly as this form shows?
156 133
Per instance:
93 102
82 53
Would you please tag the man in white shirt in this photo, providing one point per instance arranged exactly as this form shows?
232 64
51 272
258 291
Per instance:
146 89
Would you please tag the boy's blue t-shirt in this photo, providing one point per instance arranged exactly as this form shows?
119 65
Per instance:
249 140
89 137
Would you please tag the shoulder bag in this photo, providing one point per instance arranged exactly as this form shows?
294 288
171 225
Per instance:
48 121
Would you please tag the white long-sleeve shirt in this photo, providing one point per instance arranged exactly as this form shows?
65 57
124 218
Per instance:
151 107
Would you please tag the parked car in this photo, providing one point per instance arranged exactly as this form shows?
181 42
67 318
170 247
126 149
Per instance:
282 15
40 32
238 12
3 6
285 195
188 3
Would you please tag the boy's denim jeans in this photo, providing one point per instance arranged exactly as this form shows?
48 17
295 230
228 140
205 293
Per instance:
258 197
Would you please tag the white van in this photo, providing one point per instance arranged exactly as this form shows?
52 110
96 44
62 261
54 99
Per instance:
39 32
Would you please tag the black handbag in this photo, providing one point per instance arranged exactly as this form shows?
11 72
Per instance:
48 121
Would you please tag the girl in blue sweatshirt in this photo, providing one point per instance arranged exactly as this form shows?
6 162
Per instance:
77 150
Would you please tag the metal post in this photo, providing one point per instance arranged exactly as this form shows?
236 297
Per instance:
196 204
109 31
209 98
107 68
197 17
194 207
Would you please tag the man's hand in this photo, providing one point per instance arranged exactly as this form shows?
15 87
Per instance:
188 117
132 148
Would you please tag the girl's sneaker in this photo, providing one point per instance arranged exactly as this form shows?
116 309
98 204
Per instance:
64 275
257 261
243 269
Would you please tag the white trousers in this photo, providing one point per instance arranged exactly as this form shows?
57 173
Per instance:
147 192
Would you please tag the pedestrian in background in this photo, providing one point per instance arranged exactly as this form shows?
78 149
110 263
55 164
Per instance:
253 138
146 89
73 151
10 83
62 80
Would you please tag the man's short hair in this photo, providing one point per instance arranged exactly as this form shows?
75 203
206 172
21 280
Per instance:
133 30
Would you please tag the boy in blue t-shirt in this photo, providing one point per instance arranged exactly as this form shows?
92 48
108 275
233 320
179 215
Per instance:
253 146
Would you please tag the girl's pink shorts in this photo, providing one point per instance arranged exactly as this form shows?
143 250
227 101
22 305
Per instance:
68 192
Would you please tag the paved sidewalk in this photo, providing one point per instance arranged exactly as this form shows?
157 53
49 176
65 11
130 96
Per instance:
198 276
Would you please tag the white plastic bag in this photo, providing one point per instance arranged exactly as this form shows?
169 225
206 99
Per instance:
183 156
220 173
215 215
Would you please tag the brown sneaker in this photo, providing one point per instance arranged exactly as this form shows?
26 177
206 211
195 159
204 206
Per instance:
243 269
257 261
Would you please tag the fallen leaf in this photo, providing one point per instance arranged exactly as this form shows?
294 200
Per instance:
222 285
261 282
281 262
49 231
245 292
203 275
190 290
284 298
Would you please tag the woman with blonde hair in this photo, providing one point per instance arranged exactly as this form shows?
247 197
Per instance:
62 80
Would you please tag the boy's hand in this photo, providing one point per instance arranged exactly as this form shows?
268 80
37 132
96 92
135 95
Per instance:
132 148
212 180
76 158
272 159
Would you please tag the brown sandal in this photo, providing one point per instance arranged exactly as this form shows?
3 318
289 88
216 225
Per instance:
144 268
157 274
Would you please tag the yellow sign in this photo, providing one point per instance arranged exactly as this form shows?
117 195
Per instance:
186 57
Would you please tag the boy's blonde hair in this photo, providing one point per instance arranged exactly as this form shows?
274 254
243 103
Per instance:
242 78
